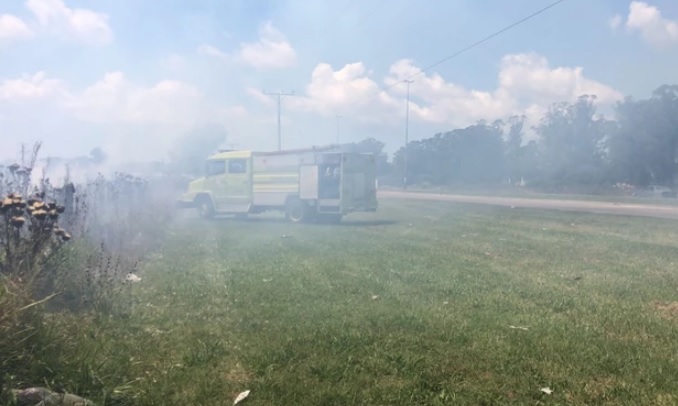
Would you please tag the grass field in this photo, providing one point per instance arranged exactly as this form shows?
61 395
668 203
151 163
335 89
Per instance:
410 306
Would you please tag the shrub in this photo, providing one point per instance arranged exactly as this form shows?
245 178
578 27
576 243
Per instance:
65 253
29 234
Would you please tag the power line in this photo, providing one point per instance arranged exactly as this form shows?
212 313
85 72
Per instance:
473 45
370 13
279 95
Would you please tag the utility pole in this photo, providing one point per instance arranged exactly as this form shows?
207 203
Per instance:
278 96
338 127
407 129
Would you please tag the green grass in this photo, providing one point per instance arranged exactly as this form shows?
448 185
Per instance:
409 306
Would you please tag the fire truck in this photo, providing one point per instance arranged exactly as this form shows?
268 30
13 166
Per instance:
313 184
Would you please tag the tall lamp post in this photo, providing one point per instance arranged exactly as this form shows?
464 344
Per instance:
279 95
407 128
338 117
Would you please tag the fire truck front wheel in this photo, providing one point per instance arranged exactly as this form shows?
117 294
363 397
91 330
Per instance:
205 206
296 211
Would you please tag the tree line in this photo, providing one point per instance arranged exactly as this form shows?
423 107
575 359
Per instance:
571 147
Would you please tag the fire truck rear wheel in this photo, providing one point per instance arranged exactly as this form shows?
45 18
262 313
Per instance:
296 211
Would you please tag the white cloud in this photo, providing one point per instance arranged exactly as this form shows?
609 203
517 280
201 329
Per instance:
174 62
348 91
270 51
615 21
212 51
13 28
30 88
82 24
530 76
114 99
131 120
651 25
526 85
259 95
235 111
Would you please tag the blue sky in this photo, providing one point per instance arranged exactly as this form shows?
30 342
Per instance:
175 65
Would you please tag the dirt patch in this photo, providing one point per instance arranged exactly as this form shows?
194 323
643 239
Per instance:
667 310
665 399
237 375
599 388
392 382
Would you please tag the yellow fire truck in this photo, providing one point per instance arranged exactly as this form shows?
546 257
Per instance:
307 184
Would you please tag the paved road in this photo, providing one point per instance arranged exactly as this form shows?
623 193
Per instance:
626 209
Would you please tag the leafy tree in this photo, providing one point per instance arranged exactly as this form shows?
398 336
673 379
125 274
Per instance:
575 147
644 147
372 146
472 155
98 156
521 158
572 143
188 155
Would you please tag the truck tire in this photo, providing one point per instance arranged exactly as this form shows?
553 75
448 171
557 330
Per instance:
296 210
205 207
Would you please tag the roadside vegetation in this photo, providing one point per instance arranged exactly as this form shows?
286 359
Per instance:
419 304
66 253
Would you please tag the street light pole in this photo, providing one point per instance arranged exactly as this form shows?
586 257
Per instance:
338 117
407 129
278 96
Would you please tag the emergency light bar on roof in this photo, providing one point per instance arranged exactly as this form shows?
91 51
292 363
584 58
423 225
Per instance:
290 151
294 151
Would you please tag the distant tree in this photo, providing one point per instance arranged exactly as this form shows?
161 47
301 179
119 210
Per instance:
644 147
529 163
472 155
575 147
97 155
480 154
190 151
372 146
521 159
571 141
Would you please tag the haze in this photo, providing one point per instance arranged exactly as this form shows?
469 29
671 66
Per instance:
496 226
132 77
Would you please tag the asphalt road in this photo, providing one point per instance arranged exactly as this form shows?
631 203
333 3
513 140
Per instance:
624 209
